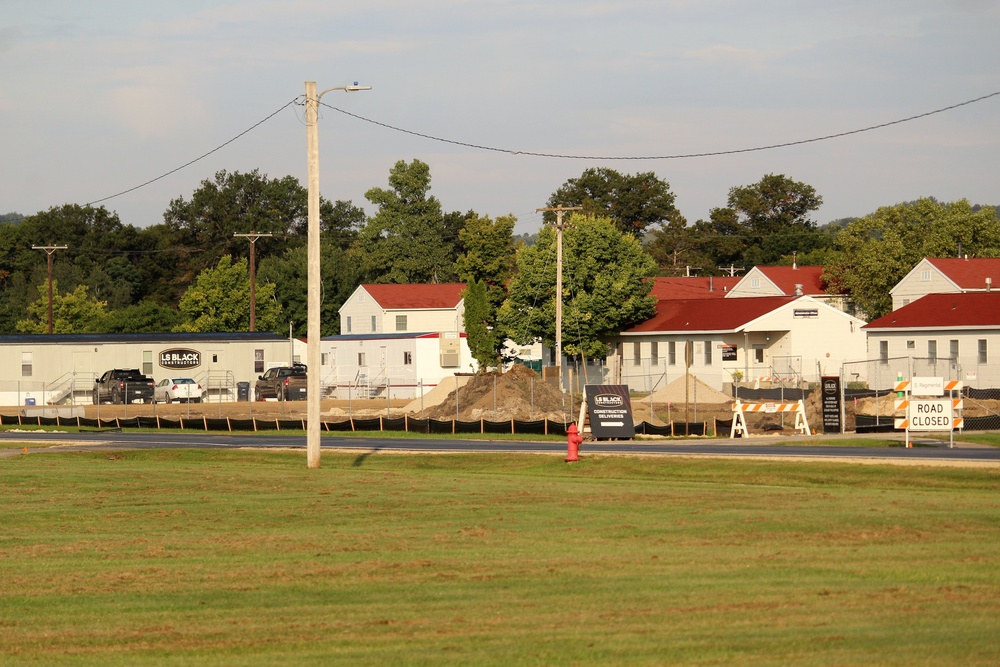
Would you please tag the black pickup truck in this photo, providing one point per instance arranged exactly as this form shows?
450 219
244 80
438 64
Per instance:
285 383
123 385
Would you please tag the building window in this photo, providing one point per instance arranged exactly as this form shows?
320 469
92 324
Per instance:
324 359
883 351
147 362
26 364
755 283
758 354
348 324
636 354
911 345
258 361
654 354
374 324
953 350
708 352
925 274
932 351
400 322
361 359
672 353
906 302
407 358
982 351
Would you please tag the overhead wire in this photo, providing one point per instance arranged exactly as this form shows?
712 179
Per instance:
510 151
677 156
197 159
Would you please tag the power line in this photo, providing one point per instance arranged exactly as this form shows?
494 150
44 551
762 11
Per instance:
678 156
201 157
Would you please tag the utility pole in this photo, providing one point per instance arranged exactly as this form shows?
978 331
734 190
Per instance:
49 250
253 236
313 275
559 232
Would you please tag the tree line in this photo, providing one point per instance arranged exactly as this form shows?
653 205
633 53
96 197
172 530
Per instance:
190 273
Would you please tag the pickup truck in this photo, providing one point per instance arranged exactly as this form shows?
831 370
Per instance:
285 383
123 385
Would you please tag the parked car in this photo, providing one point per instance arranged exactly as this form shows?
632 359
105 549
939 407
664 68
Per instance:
285 383
123 385
169 390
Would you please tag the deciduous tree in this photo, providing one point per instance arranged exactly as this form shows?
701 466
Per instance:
404 241
604 287
219 300
633 202
875 252
72 312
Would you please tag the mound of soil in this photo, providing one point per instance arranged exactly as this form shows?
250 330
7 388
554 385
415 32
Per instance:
520 393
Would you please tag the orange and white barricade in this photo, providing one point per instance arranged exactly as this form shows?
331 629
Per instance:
740 410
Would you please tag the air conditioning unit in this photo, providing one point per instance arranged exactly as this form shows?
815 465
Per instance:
450 349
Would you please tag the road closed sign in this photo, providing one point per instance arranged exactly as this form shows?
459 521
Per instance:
925 415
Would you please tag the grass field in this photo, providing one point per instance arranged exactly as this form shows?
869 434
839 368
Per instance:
226 557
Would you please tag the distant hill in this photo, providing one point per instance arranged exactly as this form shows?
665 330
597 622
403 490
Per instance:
12 218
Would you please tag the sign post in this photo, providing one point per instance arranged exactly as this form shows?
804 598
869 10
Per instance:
941 412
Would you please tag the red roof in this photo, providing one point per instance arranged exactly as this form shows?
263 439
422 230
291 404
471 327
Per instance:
938 311
708 314
692 287
787 277
411 297
969 273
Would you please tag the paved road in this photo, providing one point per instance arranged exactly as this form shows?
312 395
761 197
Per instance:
926 451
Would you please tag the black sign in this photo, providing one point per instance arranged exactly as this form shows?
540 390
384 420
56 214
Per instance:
831 404
610 411
729 353
805 312
178 359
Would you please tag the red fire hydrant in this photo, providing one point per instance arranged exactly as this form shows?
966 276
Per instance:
573 442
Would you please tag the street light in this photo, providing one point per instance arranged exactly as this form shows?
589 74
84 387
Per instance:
313 276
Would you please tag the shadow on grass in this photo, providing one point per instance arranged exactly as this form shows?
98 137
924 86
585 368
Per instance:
360 460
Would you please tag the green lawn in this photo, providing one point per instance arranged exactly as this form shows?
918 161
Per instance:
223 557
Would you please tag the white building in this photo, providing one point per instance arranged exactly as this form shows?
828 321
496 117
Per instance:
61 368
397 340
378 308
935 275
777 338
942 335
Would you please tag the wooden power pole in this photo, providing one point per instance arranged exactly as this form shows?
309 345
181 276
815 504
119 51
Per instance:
49 250
253 236
559 231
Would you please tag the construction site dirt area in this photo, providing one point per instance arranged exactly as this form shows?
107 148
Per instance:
518 394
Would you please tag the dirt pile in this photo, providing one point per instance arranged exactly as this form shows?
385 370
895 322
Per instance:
517 394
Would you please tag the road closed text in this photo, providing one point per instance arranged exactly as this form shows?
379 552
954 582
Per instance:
930 415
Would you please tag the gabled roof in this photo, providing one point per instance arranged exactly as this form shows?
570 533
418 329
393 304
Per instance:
968 274
942 311
702 315
415 297
785 278
692 287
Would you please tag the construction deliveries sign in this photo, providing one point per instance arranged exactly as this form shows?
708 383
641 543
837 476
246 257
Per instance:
610 411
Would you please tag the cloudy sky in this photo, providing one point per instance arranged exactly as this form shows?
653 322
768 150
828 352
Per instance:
99 96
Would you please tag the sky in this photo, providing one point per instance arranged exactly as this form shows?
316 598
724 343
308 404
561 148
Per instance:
100 96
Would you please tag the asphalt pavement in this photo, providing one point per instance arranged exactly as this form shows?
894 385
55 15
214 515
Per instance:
812 447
